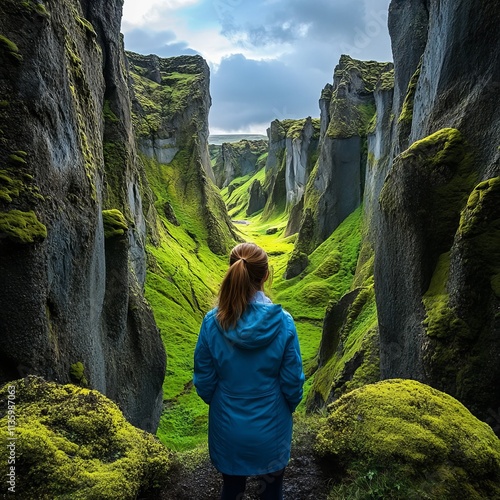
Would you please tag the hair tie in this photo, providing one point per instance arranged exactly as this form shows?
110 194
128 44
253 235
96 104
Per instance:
244 260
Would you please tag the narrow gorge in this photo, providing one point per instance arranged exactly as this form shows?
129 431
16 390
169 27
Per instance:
381 218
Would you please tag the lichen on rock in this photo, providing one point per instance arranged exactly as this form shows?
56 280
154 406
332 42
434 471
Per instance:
75 443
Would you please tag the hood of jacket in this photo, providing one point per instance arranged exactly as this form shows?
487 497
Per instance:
258 325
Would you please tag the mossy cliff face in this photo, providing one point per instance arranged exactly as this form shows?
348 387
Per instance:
408 27
239 159
335 186
171 101
293 150
421 202
409 440
462 301
70 294
435 239
75 443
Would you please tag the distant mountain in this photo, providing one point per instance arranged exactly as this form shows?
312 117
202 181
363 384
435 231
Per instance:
218 140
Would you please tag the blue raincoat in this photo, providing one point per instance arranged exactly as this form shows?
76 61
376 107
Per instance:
251 376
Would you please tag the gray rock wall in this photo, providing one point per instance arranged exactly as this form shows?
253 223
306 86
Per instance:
70 294
237 160
430 244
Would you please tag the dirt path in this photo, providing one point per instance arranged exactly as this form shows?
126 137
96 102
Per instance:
198 480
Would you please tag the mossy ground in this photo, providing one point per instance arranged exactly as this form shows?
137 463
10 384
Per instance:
183 279
403 439
181 286
75 443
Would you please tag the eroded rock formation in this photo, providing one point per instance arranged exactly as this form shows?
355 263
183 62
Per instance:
71 275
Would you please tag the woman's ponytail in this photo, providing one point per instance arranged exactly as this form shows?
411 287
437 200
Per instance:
247 272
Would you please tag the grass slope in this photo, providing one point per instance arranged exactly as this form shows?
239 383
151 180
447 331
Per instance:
328 276
184 275
181 284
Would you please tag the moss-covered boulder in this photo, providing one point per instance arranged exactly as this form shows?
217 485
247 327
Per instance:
403 439
75 443
114 223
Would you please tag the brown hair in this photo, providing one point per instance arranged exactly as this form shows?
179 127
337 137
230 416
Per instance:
247 272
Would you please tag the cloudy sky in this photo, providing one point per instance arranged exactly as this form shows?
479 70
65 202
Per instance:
268 58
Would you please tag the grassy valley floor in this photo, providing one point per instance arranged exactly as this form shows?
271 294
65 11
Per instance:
183 279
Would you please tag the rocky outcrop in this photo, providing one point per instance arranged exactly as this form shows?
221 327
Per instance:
171 101
71 276
257 199
170 105
66 427
426 443
293 149
238 159
436 284
335 187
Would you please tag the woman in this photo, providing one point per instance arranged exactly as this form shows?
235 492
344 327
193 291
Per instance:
248 368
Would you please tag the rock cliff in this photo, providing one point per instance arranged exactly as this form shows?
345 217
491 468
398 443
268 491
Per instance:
431 219
336 184
170 104
293 149
431 236
437 246
238 159
72 195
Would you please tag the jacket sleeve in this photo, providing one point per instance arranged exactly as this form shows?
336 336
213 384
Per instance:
205 375
291 374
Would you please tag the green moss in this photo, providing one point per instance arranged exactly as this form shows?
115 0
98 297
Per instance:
115 163
75 443
406 115
77 375
349 115
359 338
386 81
42 10
161 101
372 125
349 119
35 7
368 71
114 223
22 227
338 253
316 294
422 438
108 113
435 175
331 265
15 158
441 320
237 201
295 128
86 25
10 47
480 229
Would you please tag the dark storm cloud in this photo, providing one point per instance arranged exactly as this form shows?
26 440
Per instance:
305 37
246 92
161 43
